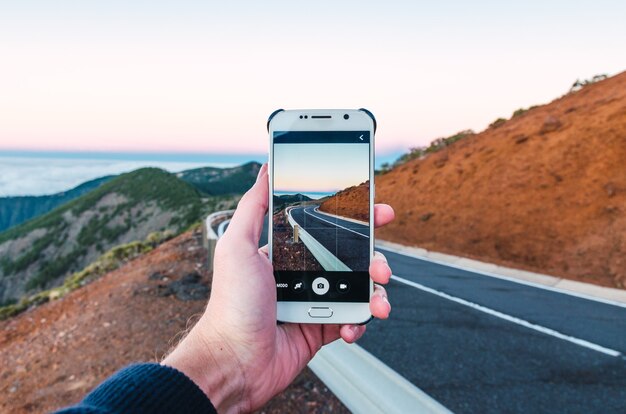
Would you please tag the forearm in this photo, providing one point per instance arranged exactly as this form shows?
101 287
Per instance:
211 364
145 388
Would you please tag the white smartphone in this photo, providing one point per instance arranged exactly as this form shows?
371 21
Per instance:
321 232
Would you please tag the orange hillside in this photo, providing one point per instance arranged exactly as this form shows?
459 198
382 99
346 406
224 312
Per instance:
544 191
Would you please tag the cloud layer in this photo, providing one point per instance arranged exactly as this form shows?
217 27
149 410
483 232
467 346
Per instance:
38 176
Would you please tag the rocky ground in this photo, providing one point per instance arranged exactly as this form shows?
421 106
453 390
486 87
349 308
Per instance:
287 254
53 354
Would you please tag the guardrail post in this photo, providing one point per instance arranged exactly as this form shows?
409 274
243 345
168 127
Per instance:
296 233
205 236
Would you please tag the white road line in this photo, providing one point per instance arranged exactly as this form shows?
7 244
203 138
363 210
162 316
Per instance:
512 319
510 279
334 224
351 220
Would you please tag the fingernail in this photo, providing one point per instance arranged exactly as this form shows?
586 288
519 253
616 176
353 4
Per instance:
261 171
358 333
380 257
355 332
385 300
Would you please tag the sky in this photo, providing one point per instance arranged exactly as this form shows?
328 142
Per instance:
318 170
202 76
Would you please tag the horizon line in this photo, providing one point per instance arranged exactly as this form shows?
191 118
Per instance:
131 155
46 152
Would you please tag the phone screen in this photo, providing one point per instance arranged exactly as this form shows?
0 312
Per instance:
321 215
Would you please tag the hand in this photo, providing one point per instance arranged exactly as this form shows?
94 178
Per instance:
236 353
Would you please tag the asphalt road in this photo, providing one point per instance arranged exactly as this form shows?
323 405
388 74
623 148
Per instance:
475 362
347 240
479 344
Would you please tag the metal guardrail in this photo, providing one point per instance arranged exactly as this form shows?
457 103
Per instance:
210 234
328 260
366 385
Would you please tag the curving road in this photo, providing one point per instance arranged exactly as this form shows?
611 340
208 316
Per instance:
347 240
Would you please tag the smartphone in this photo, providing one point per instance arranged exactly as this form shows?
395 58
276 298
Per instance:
321 227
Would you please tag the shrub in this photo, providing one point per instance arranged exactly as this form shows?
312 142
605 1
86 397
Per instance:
435 145
109 261
497 123
384 168
578 85
519 112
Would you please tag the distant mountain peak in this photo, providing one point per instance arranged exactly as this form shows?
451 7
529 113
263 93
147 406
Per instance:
219 181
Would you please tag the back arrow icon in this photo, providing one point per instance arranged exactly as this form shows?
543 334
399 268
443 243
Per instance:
361 137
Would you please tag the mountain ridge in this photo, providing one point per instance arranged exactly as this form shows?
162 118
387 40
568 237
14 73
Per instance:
39 253
210 181
222 181
15 210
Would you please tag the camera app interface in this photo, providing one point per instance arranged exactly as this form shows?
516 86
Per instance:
321 234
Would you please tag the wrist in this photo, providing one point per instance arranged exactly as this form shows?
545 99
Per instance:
211 364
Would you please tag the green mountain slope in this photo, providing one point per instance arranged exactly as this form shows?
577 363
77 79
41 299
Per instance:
41 252
282 201
16 210
208 180
221 181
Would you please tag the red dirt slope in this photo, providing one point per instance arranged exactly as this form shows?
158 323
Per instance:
545 191
353 202
52 355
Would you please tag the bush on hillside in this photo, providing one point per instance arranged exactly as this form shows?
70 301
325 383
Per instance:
384 167
435 145
519 112
578 85
109 261
497 123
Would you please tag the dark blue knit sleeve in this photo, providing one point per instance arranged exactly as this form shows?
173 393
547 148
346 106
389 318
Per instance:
144 388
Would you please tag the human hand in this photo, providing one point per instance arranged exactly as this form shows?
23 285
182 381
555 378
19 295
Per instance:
236 353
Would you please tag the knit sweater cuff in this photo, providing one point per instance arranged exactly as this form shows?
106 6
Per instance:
149 388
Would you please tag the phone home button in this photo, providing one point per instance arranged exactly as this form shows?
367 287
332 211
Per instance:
320 312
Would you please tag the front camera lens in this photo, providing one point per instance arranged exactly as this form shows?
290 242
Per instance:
346 116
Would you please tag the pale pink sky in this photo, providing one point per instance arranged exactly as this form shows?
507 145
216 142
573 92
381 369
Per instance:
302 168
191 76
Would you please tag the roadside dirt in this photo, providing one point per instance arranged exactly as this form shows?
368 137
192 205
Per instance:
289 255
54 354
545 191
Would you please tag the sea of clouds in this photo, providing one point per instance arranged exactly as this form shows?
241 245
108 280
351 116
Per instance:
40 176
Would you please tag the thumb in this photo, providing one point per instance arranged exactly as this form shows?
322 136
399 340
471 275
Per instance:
247 223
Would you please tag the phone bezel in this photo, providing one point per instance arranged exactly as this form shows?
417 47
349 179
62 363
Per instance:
343 312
